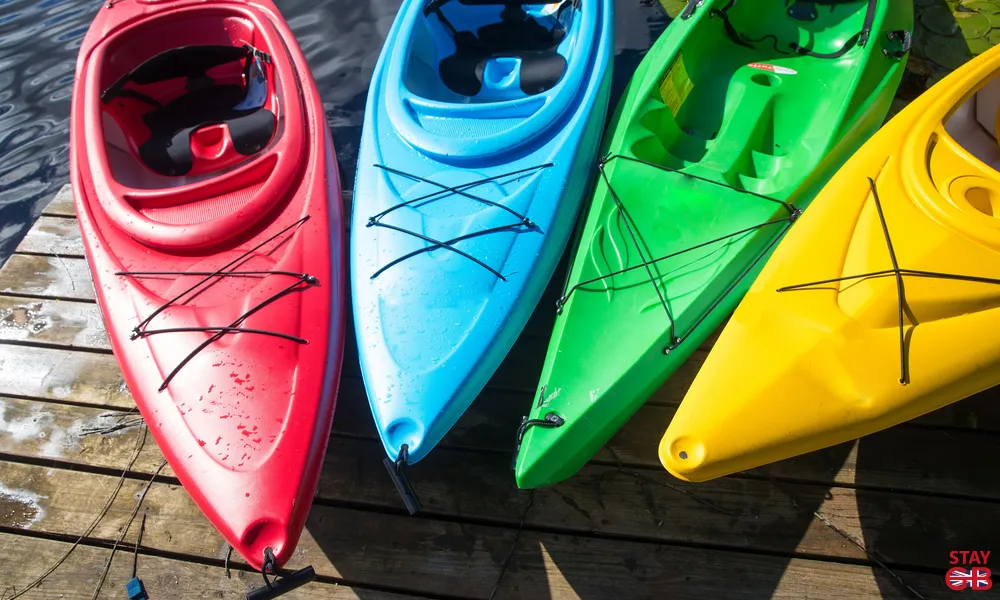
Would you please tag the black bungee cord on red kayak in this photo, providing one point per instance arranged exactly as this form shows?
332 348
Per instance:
632 229
523 222
277 587
898 273
301 282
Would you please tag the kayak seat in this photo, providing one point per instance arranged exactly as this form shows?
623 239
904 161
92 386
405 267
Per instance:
168 150
518 47
218 119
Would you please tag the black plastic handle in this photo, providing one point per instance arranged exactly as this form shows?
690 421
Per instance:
283 585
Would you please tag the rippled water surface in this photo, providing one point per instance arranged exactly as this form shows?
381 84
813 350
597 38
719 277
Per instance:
341 39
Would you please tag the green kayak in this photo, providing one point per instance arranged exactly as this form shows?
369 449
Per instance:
735 119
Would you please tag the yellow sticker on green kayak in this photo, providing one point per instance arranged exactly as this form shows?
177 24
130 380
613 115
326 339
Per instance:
676 85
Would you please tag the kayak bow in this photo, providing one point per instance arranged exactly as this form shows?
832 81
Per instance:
731 124
207 193
876 307
483 119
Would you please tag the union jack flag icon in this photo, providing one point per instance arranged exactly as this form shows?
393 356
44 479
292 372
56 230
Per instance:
973 578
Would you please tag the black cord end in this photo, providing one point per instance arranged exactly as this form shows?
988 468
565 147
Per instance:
402 483
311 279
371 222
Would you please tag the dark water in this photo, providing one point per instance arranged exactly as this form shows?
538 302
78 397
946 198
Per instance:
340 38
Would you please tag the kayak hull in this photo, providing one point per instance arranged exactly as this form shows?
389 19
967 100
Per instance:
222 288
822 364
499 176
720 126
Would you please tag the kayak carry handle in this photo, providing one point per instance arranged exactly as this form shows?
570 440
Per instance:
282 586
551 421
400 480
905 40
689 9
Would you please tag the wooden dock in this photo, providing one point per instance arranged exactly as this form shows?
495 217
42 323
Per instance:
874 519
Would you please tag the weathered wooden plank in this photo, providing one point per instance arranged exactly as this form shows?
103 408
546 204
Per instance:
78 576
86 436
47 276
61 204
83 377
69 324
53 235
364 548
378 549
591 568
739 513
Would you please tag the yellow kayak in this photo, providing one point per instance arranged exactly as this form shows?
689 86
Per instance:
881 304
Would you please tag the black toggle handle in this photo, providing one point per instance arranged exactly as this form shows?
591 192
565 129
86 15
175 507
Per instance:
401 482
689 9
284 585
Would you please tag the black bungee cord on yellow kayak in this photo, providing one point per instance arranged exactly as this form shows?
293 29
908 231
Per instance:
897 272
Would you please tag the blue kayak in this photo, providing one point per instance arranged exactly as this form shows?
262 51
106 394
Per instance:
481 131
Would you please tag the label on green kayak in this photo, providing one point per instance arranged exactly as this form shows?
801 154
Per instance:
773 68
676 85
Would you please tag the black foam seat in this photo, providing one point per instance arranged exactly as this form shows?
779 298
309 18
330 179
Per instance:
168 149
516 35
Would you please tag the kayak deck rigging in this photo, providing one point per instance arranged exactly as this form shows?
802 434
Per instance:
446 191
647 263
301 281
897 272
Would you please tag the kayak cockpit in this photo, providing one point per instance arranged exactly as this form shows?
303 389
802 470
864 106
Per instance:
497 71
180 110
489 51
189 127
973 125
729 106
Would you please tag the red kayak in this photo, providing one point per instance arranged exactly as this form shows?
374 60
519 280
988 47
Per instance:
208 196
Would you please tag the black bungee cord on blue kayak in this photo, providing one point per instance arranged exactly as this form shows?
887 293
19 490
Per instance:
523 223
898 273
648 263
278 587
301 281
